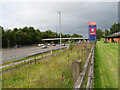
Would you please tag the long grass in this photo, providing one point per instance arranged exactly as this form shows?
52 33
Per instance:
27 58
33 60
52 72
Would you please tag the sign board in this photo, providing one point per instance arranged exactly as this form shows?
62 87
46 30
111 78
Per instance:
92 29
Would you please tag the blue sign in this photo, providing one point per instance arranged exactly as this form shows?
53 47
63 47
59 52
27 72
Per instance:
92 29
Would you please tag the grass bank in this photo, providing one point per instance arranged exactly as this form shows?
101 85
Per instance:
52 72
29 57
33 60
106 65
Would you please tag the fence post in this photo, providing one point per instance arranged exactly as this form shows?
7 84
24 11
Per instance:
76 69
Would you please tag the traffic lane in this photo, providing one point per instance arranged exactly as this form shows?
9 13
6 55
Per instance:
23 50
14 52
12 58
18 54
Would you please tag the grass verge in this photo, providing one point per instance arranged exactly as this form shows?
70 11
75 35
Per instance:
54 71
4 69
106 65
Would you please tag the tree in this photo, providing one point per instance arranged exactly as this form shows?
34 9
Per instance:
76 35
28 36
99 33
15 29
107 32
4 40
115 28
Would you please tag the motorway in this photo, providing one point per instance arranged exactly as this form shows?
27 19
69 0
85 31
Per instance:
18 53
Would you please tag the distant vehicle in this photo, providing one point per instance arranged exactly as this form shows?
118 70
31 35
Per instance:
18 46
44 46
79 42
39 45
63 44
49 44
53 44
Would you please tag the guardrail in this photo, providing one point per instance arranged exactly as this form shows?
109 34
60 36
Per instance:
80 77
14 58
35 59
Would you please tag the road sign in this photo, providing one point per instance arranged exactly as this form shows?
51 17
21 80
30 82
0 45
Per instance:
92 29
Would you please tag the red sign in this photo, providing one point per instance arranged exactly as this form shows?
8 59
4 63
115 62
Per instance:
92 31
92 23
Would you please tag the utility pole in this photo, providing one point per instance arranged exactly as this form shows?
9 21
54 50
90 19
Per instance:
60 26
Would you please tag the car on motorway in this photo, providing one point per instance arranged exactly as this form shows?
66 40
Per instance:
79 42
49 44
53 44
18 46
63 44
39 45
44 46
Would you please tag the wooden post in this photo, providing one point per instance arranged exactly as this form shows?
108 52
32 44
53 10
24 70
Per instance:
76 69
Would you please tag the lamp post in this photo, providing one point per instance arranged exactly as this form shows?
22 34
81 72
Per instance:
60 26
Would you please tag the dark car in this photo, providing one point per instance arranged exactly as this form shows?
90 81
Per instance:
18 46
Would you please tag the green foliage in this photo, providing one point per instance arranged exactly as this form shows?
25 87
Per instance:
28 36
76 35
71 43
106 32
99 33
52 72
113 29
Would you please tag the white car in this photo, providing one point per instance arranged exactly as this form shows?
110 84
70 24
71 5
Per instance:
49 44
79 42
53 44
39 45
44 46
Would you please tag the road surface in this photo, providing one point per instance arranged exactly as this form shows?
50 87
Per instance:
15 54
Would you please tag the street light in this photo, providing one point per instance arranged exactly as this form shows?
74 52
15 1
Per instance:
60 26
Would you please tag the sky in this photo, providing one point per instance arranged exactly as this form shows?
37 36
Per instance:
44 16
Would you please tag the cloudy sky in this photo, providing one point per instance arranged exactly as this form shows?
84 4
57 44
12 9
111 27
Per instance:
43 15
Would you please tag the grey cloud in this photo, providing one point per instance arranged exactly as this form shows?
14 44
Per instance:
75 15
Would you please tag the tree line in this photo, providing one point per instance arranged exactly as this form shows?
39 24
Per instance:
113 29
28 36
